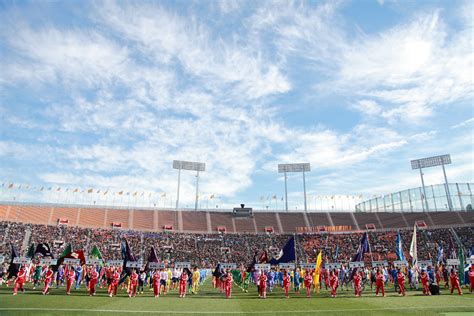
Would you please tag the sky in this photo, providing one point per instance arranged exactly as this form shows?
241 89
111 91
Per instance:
104 95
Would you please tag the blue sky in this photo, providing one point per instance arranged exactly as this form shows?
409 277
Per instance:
106 94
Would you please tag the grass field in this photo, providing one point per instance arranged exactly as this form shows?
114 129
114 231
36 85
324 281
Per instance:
210 301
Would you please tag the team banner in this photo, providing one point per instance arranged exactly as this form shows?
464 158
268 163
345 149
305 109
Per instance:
115 263
381 264
134 264
425 264
49 261
288 266
452 262
182 265
305 265
333 265
228 265
72 261
400 263
21 260
356 264
94 261
262 266
156 265
468 260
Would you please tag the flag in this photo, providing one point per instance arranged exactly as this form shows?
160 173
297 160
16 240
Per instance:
263 257
135 194
42 188
287 254
163 194
31 251
10 186
98 191
359 256
413 250
399 249
336 253
44 250
152 257
90 190
461 264
120 193
440 253
95 253
319 261
211 197
127 255
13 268
58 189
106 192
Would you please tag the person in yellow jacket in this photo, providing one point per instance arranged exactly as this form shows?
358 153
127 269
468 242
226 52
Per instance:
316 280
195 278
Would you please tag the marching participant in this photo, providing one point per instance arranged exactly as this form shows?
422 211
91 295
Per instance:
425 282
308 280
183 281
114 281
333 282
228 281
379 283
401 282
196 277
454 278
156 283
48 279
262 283
70 278
471 278
20 280
93 278
164 281
132 291
286 283
296 280
357 283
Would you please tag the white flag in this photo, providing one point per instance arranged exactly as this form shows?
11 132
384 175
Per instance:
413 250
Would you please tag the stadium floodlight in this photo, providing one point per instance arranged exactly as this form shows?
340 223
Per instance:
294 167
188 165
433 162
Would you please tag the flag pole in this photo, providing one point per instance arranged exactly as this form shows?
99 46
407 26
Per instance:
294 244
370 248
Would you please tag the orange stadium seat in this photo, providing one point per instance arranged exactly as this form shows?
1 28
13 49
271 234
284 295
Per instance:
143 220
194 221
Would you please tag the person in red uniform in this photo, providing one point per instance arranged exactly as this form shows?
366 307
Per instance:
70 278
438 275
228 282
93 278
471 278
132 291
454 278
379 283
183 281
156 283
325 277
20 281
357 283
401 282
48 278
333 283
308 281
114 281
262 282
286 283
425 282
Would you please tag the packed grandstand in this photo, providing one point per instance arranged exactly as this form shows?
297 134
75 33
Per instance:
205 238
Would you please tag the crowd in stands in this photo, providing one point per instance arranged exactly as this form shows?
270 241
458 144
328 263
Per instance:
207 249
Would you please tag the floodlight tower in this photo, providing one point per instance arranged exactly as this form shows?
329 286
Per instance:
188 165
433 162
295 167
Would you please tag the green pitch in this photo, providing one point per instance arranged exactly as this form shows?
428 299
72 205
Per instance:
210 301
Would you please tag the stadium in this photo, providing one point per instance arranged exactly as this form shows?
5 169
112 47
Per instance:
235 157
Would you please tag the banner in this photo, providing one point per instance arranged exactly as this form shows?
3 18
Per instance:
262 266
182 265
115 263
425 264
94 261
156 265
379 264
333 265
306 266
21 260
287 266
356 264
134 264
452 262
400 263
72 261
231 266
49 261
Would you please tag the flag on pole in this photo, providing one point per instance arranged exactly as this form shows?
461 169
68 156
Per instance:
399 249
31 251
319 261
440 253
287 254
95 253
359 256
120 193
461 264
336 253
13 267
413 249
44 250
10 186
90 190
